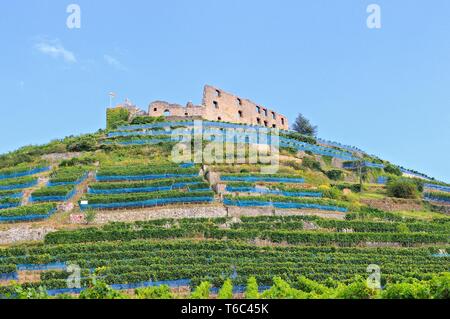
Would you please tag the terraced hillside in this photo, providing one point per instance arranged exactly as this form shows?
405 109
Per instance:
118 207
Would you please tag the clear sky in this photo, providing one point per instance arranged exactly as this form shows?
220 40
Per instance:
384 90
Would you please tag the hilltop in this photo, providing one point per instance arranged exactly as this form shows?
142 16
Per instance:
280 205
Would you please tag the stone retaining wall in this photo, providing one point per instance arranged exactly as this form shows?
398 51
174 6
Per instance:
206 212
394 204
163 213
17 234
23 234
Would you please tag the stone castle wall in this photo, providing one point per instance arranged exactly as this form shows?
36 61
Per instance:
218 105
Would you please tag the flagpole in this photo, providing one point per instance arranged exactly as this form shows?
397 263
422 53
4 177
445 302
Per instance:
111 96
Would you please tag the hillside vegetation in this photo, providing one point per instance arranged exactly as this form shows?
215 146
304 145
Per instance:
314 228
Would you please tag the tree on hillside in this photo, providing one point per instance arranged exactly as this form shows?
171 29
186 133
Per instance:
303 126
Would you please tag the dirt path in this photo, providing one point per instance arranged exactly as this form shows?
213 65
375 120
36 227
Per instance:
42 181
82 189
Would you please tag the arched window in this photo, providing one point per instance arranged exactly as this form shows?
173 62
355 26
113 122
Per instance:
167 113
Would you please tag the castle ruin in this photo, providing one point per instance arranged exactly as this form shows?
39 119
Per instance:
218 105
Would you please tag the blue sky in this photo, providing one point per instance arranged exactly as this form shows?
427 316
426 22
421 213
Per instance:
386 91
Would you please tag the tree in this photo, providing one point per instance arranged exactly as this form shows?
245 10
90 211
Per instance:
303 126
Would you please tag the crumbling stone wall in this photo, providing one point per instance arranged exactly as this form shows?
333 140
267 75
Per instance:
223 106
161 108
218 105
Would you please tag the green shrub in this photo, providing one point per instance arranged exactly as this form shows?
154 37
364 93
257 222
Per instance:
308 285
402 188
327 159
335 175
293 164
356 290
202 291
355 188
100 290
300 137
403 228
282 290
142 120
311 164
20 292
391 169
330 192
226 292
416 290
252 291
82 144
79 161
440 286
161 292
